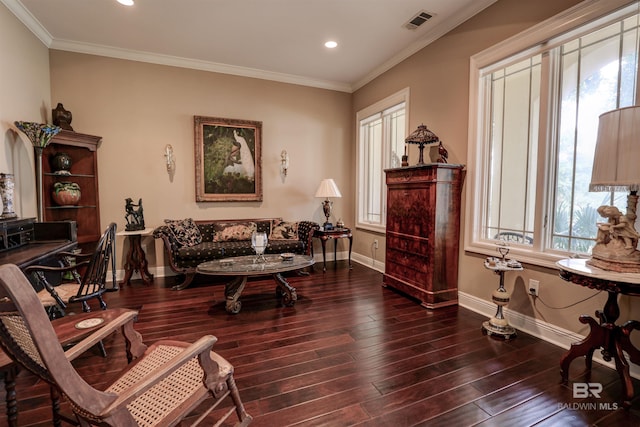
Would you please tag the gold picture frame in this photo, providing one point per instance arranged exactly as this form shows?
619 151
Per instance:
228 159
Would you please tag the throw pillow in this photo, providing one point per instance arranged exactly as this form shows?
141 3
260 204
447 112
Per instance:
282 230
233 232
185 231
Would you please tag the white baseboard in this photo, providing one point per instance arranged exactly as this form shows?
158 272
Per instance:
538 328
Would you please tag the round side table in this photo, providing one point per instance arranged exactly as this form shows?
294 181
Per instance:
498 325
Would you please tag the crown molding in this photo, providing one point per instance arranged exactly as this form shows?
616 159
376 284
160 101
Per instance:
29 21
175 61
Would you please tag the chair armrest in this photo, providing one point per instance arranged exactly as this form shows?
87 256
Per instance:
305 234
48 268
200 348
105 330
171 244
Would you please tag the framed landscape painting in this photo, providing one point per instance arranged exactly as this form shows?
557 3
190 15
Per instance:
228 163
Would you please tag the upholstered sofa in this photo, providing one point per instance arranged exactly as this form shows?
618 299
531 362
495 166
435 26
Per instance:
189 242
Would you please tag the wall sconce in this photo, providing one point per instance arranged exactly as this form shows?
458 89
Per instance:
170 159
284 162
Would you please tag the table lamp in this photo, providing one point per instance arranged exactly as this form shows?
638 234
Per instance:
422 136
327 188
615 168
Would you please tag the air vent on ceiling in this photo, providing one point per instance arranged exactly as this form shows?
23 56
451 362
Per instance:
418 19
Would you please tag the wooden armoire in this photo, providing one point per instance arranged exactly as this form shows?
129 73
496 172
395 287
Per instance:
423 230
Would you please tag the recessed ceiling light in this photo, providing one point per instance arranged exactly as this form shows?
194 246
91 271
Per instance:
331 44
126 2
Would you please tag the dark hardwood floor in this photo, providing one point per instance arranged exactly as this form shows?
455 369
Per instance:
351 352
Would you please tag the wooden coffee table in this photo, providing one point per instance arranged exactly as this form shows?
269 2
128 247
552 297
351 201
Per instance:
248 266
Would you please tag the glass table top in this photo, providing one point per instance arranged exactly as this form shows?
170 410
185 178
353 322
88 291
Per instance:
253 265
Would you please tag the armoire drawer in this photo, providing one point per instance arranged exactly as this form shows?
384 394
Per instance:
407 273
416 245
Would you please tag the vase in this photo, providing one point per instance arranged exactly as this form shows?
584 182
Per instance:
61 164
7 186
66 193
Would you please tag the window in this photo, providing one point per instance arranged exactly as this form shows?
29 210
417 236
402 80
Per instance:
533 131
382 129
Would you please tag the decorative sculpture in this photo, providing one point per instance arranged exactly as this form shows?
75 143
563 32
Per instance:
62 117
134 215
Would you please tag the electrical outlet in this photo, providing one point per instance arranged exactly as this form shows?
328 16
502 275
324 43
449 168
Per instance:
375 243
534 287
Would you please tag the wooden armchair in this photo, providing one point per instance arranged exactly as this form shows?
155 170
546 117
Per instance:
91 284
75 330
161 387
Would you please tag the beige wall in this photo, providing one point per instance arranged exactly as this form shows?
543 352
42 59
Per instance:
438 77
25 96
138 108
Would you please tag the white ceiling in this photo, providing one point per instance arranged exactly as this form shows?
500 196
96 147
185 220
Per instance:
280 40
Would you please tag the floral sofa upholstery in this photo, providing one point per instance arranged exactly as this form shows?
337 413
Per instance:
189 242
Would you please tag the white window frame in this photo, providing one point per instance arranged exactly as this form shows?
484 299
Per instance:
534 40
380 106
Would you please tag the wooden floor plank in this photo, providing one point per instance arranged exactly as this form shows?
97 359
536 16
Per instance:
351 352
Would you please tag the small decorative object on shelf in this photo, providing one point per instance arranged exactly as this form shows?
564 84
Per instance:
62 117
134 215
444 154
498 325
61 164
40 135
7 184
340 223
66 193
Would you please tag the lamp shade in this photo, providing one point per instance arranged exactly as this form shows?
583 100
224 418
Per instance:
422 135
328 188
615 162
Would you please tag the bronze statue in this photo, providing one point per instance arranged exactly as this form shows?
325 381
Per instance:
62 117
134 217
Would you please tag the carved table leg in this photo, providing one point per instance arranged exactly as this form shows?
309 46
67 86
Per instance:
284 289
232 292
595 339
136 261
623 343
323 240
10 388
55 406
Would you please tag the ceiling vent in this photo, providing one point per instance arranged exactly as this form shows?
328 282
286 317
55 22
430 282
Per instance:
418 19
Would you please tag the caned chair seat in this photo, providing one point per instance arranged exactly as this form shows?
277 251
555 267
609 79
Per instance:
65 291
182 389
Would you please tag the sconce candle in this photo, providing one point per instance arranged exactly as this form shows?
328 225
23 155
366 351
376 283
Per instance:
170 158
284 162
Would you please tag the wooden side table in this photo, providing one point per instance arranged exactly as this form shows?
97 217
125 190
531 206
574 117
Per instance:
604 333
335 234
136 258
498 324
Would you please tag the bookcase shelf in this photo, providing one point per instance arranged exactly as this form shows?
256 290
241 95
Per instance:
82 149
